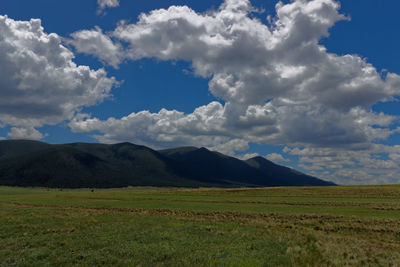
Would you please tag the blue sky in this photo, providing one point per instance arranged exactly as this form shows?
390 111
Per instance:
341 131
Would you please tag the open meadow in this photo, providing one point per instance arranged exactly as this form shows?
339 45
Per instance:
297 226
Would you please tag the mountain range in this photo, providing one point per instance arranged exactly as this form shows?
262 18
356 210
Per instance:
85 165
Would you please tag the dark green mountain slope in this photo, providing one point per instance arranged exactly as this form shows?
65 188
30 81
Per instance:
288 177
14 148
58 166
28 163
204 165
90 165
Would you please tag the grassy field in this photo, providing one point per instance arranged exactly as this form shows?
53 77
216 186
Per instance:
333 226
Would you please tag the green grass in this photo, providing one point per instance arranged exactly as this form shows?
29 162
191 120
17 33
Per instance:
335 226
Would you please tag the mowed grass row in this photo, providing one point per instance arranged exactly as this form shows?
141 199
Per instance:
201 227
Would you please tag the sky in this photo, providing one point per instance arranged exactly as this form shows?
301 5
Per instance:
310 84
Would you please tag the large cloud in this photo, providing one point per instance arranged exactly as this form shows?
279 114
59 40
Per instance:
39 82
279 85
166 127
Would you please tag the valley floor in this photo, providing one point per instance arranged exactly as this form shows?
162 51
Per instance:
299 226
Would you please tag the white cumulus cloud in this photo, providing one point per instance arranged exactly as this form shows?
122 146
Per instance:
39 82
25 133
171 128
94 42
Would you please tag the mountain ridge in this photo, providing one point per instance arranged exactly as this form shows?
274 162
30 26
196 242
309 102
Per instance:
77 165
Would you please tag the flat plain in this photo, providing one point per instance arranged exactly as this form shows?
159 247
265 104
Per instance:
293 226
